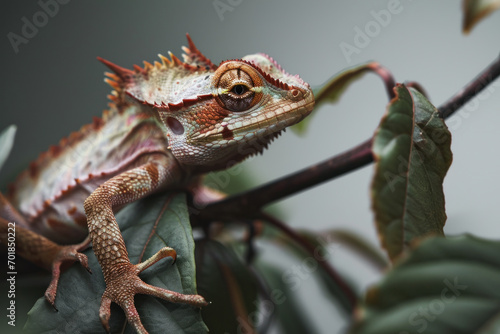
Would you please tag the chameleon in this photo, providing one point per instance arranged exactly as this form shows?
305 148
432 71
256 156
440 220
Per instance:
168 123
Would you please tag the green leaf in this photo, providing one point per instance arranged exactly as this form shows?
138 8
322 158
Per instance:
6 143
412 154
444 286
229 286
332 90
79 293
476 10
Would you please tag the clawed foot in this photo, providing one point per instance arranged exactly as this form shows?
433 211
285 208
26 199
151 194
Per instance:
123 283
64 255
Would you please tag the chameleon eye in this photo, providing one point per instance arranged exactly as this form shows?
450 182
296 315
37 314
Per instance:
239 89
236 83
238 98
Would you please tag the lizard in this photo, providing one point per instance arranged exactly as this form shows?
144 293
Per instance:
168 123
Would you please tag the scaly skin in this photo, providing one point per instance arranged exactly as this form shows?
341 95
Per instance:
167 124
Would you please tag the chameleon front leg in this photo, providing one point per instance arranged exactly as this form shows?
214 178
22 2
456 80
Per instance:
120 275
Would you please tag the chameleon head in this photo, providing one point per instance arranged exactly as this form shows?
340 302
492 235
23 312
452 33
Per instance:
250 102
216 116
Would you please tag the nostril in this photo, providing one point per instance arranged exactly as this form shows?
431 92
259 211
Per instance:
295 92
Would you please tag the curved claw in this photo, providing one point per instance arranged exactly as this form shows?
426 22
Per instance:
105 312
162 253
84 261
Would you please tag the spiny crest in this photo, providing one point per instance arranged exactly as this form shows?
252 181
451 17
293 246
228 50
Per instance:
163 84
193 56
194 60
173 84
122 73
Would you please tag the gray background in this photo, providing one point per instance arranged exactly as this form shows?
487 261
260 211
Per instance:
53 85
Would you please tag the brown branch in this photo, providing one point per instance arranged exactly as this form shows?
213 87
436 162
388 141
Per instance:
247 203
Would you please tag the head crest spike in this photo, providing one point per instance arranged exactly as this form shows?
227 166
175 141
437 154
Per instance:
138 69
192 47
176 60
197 58
165 60
112 76
122 72
112 83
147 66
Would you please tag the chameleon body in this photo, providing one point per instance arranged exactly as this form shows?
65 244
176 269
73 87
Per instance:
168 122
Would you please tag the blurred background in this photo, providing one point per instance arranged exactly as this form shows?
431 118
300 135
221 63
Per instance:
52 84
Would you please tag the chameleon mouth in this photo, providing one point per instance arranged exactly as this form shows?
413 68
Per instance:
284 119
254 128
